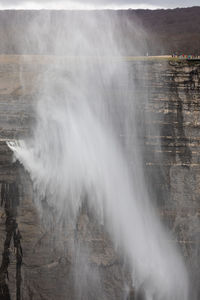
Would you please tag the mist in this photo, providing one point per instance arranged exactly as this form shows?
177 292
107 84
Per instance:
84 151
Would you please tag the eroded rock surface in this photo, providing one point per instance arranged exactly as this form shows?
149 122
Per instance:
36 265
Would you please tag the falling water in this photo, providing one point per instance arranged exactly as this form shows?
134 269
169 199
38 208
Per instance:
83 108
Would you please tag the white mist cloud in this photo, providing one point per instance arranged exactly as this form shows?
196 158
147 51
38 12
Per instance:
74 5
95 4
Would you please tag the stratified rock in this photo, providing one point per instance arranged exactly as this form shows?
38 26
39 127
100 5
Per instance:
41 261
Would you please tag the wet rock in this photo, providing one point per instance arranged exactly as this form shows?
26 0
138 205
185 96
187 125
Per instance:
35 262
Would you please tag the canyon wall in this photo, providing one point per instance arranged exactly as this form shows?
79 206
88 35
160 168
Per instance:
34 265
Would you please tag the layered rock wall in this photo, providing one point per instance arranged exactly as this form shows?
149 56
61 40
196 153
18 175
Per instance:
168 104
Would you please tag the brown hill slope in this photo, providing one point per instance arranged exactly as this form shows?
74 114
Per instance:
163 31
177 30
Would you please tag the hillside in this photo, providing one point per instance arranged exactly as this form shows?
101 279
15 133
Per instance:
156 32
177 30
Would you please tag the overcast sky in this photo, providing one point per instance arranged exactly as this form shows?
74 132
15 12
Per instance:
91 4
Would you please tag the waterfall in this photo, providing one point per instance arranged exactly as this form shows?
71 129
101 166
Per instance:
76 152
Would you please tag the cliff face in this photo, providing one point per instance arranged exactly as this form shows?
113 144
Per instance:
173 161
35 265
